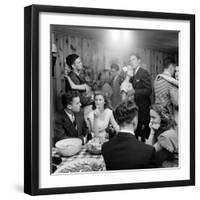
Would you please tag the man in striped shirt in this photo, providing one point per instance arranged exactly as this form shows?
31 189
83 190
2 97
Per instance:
166 92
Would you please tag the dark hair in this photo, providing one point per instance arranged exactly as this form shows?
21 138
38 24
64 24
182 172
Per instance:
68 97
168 61
114 66
107 103
70 59
136 54
126 112
167 122
86 100
102 75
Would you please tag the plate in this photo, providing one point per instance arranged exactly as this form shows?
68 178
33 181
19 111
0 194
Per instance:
94 145
82 165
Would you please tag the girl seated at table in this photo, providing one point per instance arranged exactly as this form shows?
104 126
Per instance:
163 136
101 116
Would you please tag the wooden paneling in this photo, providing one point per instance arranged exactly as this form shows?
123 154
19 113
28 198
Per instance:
96 56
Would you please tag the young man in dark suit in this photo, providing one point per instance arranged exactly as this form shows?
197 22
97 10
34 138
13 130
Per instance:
70 122
124 151
142 85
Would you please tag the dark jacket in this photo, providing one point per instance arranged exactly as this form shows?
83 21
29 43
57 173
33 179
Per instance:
63 126
143 88
76 80
126 152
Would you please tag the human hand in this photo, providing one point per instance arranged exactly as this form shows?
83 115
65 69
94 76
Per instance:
96 113
132 90
87 88
154 126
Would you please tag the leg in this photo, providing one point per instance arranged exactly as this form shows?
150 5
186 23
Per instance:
144 131
138 130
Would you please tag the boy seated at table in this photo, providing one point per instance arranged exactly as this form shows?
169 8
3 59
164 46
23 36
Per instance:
124 151
70 122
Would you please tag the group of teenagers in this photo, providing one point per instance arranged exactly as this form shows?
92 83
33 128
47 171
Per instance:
137 134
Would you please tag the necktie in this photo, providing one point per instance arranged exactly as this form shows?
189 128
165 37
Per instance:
74 122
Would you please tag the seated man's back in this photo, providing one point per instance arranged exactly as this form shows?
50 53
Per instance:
125 152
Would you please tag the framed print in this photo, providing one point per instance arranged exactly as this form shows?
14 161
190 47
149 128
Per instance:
109 99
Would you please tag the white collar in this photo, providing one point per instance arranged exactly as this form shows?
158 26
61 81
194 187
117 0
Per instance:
70 115
137 69
127 131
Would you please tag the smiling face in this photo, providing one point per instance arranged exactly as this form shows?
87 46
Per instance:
78 66
99 101
154 117
134 61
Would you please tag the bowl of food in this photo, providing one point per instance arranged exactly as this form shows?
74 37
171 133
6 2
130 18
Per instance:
69 147
94 145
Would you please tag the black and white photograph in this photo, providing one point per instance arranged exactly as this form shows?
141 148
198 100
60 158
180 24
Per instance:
109 100
115 99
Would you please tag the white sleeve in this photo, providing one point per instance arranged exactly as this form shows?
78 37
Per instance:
90 119
123 87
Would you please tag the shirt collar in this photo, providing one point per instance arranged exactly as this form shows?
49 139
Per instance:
127 131
70 115
137 69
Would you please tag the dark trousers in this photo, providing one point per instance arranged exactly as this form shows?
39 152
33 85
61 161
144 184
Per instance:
143 130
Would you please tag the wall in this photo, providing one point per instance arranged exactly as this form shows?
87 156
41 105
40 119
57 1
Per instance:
97 56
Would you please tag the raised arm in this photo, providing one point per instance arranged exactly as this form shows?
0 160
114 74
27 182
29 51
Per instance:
74 86
90 121
170 79
151 140
113 122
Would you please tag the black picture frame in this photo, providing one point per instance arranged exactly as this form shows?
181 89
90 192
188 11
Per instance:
31 98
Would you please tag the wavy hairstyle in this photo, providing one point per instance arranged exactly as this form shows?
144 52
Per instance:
167 122
126 112
107 102
67 98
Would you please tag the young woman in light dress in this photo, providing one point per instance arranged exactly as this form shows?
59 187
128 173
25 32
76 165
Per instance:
126 88
101 117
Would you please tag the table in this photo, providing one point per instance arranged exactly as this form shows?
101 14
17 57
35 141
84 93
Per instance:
83 155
